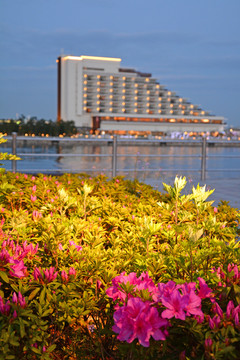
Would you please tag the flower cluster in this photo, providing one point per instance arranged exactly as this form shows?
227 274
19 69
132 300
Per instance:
18 300
231 276
13 254
45 275
138 316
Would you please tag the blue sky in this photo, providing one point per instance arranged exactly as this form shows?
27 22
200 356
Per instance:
192 47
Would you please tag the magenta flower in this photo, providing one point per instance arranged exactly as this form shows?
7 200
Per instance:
33 198
4 308
34 188
194 305
50 274
116 292
214 322
64 276
14 298
36 215
19 299
208 344
175 305
29 249
72 271
204 291
37 274
164 290
217 310
236 318
18 269
138 320
230 308
78 247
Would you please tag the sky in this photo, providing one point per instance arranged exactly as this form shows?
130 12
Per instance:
190 46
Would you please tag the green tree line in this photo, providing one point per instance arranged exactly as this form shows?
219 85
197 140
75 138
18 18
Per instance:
37 126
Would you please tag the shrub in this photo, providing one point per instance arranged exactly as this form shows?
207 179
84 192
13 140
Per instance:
83 260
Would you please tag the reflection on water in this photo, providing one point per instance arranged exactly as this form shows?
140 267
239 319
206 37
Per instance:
168 162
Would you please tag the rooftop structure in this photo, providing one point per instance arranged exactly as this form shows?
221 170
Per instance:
97 93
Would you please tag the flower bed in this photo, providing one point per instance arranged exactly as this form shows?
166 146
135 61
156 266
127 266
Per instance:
93 268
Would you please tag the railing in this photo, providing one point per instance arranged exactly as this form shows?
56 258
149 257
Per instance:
114 141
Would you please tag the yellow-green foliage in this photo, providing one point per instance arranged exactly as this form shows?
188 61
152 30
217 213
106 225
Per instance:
120 225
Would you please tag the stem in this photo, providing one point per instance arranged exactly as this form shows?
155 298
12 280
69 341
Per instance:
176 219
191 261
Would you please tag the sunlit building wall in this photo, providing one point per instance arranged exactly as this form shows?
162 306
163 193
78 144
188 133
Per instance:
97 93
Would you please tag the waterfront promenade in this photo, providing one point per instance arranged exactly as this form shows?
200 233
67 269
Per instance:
225 189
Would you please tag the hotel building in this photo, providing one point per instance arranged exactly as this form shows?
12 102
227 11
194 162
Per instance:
97 93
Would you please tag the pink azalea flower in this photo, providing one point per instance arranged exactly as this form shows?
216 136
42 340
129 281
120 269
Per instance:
4 308
164 290
218 310
194 305
208 344
215 322
36 215
230 308
37 274
29 249
34 188
115 292
18 269
138 320
72 271
50 274
33 198
14 298
175 305
204 291
236 319
21 300
78 247
64 275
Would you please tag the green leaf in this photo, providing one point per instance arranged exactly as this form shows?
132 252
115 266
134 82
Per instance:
22 328
42 295
33 293
36 351
4 276
51 348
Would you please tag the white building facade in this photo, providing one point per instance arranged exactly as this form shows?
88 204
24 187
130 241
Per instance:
96 93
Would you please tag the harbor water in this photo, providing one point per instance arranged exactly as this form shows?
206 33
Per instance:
133 161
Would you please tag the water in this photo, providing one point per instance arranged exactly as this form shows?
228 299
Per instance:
220 163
